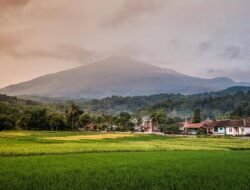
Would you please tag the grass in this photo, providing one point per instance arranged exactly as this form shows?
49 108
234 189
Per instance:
93 137
43 143
66 160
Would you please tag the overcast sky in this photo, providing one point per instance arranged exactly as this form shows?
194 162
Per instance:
206 38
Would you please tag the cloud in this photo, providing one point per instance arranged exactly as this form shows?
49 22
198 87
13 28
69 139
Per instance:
134 8
233 52
9 7
62 52
237 52
8 42
204 46
238 74
13 3
189 36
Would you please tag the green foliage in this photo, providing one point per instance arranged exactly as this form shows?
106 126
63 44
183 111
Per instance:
73 113
173 170
57 121
163 108
84 120
29 160
230 102
201 131
7 122
197 116
171 129
158 118
124 122
35 118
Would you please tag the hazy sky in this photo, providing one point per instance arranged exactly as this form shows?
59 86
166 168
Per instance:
206 38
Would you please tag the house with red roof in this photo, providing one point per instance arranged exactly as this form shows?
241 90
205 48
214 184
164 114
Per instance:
195 128
219 127
228 127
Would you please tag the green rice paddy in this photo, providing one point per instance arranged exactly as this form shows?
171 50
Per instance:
66 160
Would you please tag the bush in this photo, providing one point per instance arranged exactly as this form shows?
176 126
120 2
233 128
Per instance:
34 119
172 129
201 131
6 122
56 121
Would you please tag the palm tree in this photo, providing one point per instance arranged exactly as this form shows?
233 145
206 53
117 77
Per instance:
73 113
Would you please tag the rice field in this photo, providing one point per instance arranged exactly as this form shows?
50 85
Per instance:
93 137
67 160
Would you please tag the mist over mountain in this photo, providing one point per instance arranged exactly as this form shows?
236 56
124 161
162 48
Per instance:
121 76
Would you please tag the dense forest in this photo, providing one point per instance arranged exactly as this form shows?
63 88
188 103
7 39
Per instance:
234 101
120 113
17 113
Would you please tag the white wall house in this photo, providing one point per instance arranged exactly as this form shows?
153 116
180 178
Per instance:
147 125
231 127
246 126
234 131
219 130
220 127
247 131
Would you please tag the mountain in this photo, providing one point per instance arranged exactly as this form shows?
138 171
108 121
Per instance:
119 76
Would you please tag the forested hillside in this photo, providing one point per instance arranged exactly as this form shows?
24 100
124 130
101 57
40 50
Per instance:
18 113
235 100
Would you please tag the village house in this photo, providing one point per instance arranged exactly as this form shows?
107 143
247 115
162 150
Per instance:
228 127
147 126
194 128
247 126
219 127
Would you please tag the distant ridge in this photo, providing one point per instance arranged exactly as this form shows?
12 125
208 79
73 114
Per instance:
119 76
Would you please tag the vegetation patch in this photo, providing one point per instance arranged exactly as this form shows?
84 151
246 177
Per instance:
93 137
14 134
172 170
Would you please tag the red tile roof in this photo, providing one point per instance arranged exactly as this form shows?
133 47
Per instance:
194 125
218 123
227 123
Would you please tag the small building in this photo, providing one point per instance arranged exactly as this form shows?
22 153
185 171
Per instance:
91 127
228 127
246 126
220 127
194 128
147 125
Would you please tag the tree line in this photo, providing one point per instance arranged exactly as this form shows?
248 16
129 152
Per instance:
39 117
164 110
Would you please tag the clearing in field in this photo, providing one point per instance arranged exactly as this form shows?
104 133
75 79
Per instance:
92 137
14 134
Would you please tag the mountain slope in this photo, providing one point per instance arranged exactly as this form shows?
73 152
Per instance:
116 104
116 76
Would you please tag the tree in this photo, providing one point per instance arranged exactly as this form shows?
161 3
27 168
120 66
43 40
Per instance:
84 120
171 128
124 121
73 113
139 121
197 116
158 118
25 121
56 121
6 122
34 119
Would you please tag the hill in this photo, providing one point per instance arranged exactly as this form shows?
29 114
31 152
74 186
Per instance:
120 76
214 104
